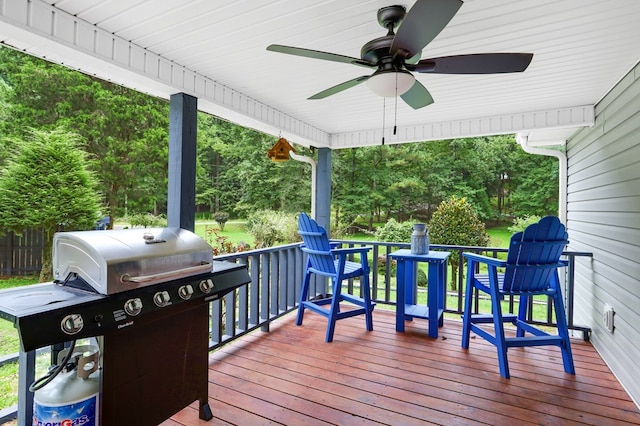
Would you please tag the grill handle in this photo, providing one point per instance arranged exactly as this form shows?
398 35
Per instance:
165 276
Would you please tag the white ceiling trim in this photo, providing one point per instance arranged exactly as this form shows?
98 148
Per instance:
89 49
574 117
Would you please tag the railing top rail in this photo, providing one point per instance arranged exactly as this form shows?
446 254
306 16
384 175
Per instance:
449 247
247 253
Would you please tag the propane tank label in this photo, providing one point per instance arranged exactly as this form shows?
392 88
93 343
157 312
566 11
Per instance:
79 413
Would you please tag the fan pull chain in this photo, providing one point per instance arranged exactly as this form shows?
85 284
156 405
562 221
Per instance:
384 110
395 111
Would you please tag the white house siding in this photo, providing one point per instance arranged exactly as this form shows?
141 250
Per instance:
603 217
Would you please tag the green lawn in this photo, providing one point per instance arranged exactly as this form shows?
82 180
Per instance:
9 344
498 236
235 231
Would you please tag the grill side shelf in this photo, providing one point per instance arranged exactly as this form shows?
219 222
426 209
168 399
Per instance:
48 314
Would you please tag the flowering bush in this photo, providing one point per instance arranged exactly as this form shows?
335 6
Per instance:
220 243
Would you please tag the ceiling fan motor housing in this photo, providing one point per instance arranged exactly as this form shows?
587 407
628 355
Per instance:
391 16
377 51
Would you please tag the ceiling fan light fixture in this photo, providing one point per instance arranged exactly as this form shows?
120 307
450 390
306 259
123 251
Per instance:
390 83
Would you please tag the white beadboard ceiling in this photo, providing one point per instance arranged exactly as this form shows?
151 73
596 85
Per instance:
216 51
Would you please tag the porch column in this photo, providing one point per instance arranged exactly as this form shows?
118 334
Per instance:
323 189
181 197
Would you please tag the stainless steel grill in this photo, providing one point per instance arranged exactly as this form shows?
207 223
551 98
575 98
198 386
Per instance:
145 294
120 260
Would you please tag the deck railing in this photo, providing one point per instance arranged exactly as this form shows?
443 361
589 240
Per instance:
276 278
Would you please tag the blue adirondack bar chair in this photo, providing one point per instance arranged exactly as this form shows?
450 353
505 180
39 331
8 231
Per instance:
531 269
325 260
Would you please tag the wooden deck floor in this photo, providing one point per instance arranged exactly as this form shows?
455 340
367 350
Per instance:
291 376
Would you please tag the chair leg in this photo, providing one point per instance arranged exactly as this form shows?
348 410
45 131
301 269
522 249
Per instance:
468 299
498 324
522 314
304 294
368 306
563 329
334 310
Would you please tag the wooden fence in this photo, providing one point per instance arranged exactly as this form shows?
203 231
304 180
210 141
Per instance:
21 254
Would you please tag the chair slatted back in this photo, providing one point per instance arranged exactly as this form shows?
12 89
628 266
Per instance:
534 255
316 245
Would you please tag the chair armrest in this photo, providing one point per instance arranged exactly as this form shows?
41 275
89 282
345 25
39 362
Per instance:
485 259
311 251
351 250
341 252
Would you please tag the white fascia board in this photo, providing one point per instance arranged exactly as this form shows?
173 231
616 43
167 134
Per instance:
39 29
571 117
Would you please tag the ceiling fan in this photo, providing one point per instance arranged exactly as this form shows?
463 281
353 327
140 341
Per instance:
396 55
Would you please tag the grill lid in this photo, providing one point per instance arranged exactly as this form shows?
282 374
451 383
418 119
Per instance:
119 260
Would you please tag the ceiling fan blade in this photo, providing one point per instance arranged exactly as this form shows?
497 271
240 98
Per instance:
316 54
481 63
418 96
423 23
339 87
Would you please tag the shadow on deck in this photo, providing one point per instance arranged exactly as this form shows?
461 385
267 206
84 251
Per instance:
291 376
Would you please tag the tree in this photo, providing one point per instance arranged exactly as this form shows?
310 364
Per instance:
456 223
124 131
48 186
534 185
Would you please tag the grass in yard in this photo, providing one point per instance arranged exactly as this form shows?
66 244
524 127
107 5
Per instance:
236 231
10 344
9 282
9 341
499 236
9 379
8 385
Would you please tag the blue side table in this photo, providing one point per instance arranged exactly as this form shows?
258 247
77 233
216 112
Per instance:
406 307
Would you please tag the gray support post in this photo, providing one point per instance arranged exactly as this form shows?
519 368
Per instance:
26 376
323 189
323 206
181 197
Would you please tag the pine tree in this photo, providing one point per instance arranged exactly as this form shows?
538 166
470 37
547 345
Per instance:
47 186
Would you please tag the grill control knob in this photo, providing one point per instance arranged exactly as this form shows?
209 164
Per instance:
133 306
206 285
161 298
185 292
72 324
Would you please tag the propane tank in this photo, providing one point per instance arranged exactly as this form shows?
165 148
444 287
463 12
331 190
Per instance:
72 397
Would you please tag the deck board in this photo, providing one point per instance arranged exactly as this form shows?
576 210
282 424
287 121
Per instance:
290 376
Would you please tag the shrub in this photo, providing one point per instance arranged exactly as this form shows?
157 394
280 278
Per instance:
421 278
455 223
147 220
394 232
270 227
520 223
382 266
222 244
221 218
